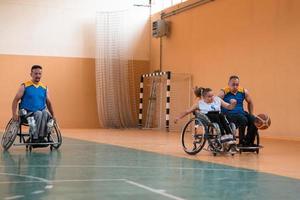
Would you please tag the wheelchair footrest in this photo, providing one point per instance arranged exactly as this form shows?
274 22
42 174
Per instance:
250 147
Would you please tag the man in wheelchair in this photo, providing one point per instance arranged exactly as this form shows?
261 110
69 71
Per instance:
210 105
238 115
34 103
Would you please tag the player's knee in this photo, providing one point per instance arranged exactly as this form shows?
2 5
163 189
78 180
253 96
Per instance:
243 121
44 113
38 113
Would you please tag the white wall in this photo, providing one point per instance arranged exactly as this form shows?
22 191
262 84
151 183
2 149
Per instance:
158 5
65 27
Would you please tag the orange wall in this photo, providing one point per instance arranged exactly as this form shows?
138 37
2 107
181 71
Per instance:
257 40
71 83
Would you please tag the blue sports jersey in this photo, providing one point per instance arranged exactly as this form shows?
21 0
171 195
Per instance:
239 97
34 97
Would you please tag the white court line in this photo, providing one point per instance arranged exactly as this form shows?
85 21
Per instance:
88 180
63 181
133 167
160 192
14 197
16 182
38 192
27 176
31 177
157 191
48 187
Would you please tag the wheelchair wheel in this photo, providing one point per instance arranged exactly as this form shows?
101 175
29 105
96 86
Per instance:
10 134
257 143
192 136
233 130
214 141
255 148
55 137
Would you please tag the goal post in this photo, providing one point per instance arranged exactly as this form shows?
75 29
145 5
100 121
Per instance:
163 95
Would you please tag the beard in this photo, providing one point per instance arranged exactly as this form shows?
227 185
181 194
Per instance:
37 79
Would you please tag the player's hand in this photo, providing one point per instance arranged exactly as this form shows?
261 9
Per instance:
54 118
176 120
233 102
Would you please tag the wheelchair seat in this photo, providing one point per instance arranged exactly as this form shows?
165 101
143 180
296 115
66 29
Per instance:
14 129
200 129
23 118
253 148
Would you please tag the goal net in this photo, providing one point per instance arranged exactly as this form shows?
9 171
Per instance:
163 96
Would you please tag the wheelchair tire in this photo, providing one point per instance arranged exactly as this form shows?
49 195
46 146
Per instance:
192 136
10 134
233 130
56 136
214 142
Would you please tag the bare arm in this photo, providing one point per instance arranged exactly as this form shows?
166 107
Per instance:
185 113
227 105
49 105
249 101
224 104
15 102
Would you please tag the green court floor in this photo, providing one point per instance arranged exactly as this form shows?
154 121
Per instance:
87 170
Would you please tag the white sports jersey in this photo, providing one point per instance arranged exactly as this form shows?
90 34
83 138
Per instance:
214 106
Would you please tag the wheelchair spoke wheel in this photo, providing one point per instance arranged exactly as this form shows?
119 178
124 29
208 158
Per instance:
10 134
233 130
192 136
214 139
55 136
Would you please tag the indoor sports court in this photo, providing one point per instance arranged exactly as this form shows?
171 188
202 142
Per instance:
149 99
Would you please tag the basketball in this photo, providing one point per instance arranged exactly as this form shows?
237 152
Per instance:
262 121
125 99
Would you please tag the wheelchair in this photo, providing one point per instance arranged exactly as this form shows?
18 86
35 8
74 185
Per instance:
200 129
14 129
255 148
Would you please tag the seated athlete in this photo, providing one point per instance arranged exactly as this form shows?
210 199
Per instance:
210 105
34 98
238 115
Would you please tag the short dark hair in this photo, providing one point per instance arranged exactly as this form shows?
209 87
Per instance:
36 67
233 77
